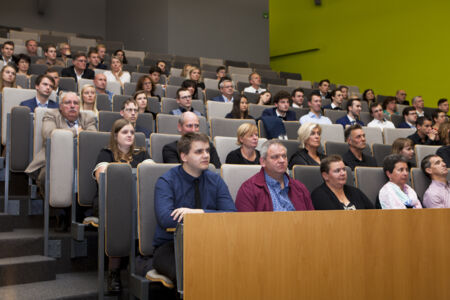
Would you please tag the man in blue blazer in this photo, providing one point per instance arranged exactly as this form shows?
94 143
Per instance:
226 91
353 111
44 86
281 109
410 116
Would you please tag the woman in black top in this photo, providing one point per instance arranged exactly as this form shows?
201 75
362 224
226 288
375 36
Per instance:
239 110
247 137
308 154
334 193
195 74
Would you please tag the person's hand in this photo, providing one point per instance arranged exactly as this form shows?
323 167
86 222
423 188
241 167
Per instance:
433 135
179 213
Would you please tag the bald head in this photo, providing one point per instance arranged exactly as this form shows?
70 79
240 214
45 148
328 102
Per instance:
100 83
188 122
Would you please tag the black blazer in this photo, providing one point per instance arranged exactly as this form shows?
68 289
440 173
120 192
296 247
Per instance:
170 154
324 199
301 157
70 72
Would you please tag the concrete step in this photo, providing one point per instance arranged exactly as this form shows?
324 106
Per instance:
6 222
25 269
21 242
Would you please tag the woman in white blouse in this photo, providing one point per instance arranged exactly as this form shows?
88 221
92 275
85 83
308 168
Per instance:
116 73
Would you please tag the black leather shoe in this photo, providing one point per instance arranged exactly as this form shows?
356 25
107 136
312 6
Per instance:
114 283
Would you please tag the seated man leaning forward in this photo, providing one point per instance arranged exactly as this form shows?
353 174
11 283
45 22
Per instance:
272 189
188 122
67 117
186 189
184 101
438 193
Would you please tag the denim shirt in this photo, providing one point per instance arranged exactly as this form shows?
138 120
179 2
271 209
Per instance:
280 198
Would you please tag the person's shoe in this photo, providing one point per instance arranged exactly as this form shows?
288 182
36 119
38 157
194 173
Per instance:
93 221
114 283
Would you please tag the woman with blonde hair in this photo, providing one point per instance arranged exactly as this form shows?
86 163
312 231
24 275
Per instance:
116 73
404 147
247 139
88 98
195 74
308 154
8 77
444 136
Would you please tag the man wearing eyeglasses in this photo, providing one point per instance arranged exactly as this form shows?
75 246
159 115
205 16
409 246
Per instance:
130 112
188 122
400 97
184 100
379 121
78 70
226 91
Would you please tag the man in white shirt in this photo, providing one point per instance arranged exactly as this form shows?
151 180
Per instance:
418 104
315 114
298 96
376 111
255 84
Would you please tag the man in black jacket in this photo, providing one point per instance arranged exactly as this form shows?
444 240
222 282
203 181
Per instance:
78 70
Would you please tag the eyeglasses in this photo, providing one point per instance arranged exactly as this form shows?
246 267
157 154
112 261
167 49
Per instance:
192 125
130 110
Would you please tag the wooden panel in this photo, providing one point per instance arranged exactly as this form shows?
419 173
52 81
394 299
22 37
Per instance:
395 254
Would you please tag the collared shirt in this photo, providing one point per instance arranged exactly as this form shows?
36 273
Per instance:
5 62
251 89
226 100
294 105
420 114
313 118
39 104
181 110
280 198
437 195
410 125
74 124
381 124
80 76
334 106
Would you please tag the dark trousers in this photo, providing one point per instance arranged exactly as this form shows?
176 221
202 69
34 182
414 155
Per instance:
164 260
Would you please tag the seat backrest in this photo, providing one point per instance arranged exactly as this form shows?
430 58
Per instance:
419 182
211 61
391 134
171 91
61 168
76 41
12 97
256 110
114 87
106 120
235 175
334 115
147 176
332 133
83 81
299 112
169 104
118 209
13 34
252 97
211 83
157 143
310 176
129 88
423 150
176 72
67 84
103 102
380 151
370 180
169 124
37 129
291 129
138 54
154 105
365 117
20 137
226 144
306 84
117 102
22 81
227 127
136 75
397 119
175 80
238 77
373 135
238 70
216 109
275 88
146 121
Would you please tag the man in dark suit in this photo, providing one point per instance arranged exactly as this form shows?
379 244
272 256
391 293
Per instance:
410 116
226 90
336 100
281 109
44 86
78 70
324 85
188 122
7 52
353 111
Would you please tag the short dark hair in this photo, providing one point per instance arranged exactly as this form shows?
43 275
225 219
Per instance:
28 41
343 87
220 68
421 120
222 80
281 95
333 92
442 101
11 43
348 130
24 57
435 113
182 89
160 60
189 83
407 110
326 162
391 160
324 80
155 69
373 105
51 70
426 163
48 46
350 103
387 100
77 55
185 142
41 77
129 100
314 93
297 90
91 51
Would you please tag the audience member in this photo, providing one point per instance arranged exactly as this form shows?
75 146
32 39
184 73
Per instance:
117 74
64 52
155 75
405 147
336 100
100 86
443 105
184 100
23 63
221 72
425 134
315 113
8 77
334 193
255 84
368 96
226 91
437 194
239 110
50 57
94 60
323 89
439 117
396 194
344 91
353 112
130 112
444 151
32 47
400 97
101 50
297 97
142 101
418 104
88 99
7 53
191 86
189 188
44 86
376 111
355 156
195 75
247 139
78 70
309 139
271 189
53 73
265 98
120 54
390 107
163 67
410 117
281 109
187 123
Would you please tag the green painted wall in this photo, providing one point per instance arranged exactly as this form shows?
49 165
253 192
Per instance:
385 45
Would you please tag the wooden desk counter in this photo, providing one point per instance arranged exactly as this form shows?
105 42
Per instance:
373 254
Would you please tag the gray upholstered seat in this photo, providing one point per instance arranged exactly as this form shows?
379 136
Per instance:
169 104
256 110
334 115
391 134
67 84
216 109
117 102
175 80
380 151
168 124
423 150
235 175
157 143
274 88
103 103
211 83
227 127
373 135
370 180
332 133
171 91
129 88
341 148
22 81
